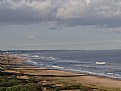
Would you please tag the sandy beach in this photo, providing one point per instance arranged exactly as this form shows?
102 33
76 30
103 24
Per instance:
85 79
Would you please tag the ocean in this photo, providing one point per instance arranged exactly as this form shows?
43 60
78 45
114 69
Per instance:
96 62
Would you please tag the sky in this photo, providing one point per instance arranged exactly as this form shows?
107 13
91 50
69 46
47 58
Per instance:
60 24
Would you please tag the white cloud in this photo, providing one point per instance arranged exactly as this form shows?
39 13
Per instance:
72 9
68 12
31 36
113 30
88 1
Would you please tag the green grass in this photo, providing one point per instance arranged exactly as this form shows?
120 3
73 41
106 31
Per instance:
13 84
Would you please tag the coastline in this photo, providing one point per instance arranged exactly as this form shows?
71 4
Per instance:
76 72
83 78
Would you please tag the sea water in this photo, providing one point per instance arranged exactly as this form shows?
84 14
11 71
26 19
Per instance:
104 63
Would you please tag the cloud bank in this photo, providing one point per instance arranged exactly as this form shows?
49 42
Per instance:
62 12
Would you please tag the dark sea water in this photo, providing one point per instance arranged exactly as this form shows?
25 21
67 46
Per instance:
105 63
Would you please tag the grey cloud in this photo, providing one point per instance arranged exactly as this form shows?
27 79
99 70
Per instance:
55 28
63 12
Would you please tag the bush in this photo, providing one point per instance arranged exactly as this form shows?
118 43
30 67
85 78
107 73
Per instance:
8 82
2 88
30 87
71 87
85 89
32 80
13 88
12 84
68 87
26 87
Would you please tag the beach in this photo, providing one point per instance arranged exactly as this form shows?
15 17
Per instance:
85 79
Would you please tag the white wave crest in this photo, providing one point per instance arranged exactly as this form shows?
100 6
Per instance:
100 63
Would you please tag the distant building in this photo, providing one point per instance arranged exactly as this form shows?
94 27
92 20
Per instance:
0 51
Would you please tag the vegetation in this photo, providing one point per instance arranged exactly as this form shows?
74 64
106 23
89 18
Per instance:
14 84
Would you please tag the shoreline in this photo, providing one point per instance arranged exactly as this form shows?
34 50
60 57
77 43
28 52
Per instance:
76 72
83 78
94 79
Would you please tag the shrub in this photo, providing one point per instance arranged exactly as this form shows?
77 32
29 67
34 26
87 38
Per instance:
29 87
13 88
85 88
33 80
8 82
26 87
12 84
2 88
71 87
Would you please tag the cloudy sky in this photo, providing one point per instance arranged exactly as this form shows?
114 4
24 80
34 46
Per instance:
60 24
